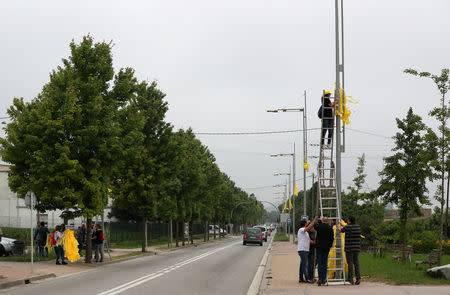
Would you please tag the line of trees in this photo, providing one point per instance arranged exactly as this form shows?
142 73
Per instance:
93 134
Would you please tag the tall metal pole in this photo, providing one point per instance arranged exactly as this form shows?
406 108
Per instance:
293 195
337 99
305 155
31 233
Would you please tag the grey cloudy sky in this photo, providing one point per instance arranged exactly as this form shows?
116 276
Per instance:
224 63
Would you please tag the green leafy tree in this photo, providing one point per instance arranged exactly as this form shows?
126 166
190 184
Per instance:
442 114
144 140
403 179
70 166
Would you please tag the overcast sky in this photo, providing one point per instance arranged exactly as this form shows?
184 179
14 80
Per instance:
222 64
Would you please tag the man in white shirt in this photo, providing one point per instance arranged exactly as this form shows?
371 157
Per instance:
303 249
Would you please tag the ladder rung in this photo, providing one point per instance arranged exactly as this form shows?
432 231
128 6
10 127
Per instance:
326 168
335 258
328 118
333 198
327 108
326 178
329 208
327 128
336 268
328 188
335 248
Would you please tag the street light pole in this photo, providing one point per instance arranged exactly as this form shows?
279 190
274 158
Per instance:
293 196
305 155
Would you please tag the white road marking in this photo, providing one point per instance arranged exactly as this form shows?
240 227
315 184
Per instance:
141 280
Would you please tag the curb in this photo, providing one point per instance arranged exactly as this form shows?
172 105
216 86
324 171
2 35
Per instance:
258 278
25 281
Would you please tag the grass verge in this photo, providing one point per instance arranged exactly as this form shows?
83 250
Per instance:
281 237
395 272
138 244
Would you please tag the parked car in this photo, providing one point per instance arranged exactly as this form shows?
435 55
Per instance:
219 230
252 236
263 230
6 246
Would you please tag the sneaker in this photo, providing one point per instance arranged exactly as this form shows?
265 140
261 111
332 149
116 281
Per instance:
57 262
350 282
319 283
64 263
357 282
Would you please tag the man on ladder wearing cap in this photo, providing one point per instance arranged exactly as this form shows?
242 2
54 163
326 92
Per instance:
326 110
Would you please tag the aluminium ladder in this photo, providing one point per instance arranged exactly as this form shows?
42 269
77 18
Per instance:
328 202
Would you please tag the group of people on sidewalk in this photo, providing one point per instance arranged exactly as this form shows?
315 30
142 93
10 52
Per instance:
97 239
65 243
315 239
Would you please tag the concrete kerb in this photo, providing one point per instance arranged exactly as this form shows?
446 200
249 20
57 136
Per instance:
25 281
258 278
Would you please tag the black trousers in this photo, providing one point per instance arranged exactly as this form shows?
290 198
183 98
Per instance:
353 262
327 123
311 265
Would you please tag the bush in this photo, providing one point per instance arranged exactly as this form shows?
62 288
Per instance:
424 242
281 237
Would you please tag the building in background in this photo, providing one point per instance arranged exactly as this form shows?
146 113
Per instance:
13 212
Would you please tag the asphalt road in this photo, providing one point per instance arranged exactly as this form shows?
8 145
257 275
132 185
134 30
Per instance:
223 267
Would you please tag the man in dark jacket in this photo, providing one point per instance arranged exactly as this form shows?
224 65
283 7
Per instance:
352 248
324 241
327 119
81 237
41 238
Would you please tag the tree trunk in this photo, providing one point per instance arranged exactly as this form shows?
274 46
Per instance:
206 231
144 233
183 226
191 235
88 257
169 229
405 222
214 226
177 231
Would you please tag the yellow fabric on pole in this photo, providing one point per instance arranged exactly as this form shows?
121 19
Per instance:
295 190
305 164
48 243
285 205
342 110
290 204
70 245
332 254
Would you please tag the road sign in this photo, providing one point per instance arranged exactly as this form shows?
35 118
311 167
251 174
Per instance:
304 217
289 222
284 217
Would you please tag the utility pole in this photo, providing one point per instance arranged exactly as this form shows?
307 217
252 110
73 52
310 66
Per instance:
305 155
313 195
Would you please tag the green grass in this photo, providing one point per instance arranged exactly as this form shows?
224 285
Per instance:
394 272
27 258
281 237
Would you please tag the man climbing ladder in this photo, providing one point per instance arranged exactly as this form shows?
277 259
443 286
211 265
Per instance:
326 114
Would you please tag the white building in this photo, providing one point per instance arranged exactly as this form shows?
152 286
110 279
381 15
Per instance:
13 212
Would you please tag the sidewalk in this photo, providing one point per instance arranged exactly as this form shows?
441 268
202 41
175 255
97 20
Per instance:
281 278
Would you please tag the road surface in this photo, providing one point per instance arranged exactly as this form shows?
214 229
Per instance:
223 267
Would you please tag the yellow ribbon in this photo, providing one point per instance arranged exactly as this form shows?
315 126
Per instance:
305 164
342 110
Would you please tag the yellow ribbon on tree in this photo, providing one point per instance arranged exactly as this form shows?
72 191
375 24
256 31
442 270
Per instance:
290 204
295 190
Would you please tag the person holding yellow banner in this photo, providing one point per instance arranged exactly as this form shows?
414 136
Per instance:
352 247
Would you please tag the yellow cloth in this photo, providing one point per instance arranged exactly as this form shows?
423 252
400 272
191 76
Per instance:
48 243
295 190
305 164
332 254
290 204
342 110
70 245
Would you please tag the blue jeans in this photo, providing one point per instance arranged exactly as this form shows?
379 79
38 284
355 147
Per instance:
59 253
303 270
322 264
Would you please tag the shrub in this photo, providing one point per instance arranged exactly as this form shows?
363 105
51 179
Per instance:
424 242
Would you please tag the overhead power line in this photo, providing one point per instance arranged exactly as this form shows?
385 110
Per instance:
254 132
368 133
